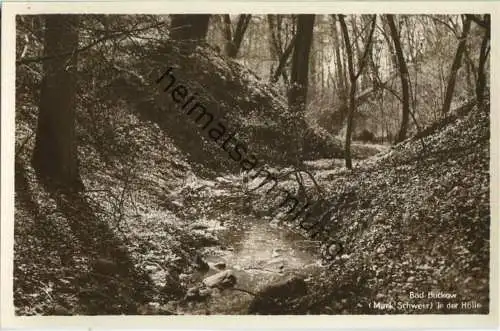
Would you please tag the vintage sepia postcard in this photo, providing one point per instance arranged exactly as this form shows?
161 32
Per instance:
202 164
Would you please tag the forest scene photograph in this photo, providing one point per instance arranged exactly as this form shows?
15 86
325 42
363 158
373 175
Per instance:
276 164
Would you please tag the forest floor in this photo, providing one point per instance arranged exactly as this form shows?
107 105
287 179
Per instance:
417 220
148 229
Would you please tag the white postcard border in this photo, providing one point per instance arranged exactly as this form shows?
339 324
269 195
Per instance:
10 9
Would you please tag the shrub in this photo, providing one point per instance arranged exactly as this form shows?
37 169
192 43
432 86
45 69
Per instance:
366 136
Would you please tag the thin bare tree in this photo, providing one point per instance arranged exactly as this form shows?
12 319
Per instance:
353 77
457 62
234 40
404 75
483 56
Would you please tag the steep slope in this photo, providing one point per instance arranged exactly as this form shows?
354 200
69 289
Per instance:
247 105
417 220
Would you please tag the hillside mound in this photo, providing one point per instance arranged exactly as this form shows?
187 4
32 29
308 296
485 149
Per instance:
416 219
92 252
248 106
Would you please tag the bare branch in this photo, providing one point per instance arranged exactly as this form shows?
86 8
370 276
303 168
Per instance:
87 47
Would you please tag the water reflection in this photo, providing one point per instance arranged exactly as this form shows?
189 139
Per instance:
259 254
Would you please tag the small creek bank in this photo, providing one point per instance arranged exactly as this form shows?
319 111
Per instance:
252 254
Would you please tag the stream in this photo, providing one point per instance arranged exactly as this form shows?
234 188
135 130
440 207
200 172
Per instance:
257 252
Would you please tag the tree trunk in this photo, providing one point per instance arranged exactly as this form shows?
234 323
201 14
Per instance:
277 48
235 42
55 153
483 55
357 52
300 63
228 32
341 75
191 27
403 72
470 74
457 61
352 91
282 62
385 34
353 77
297 94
